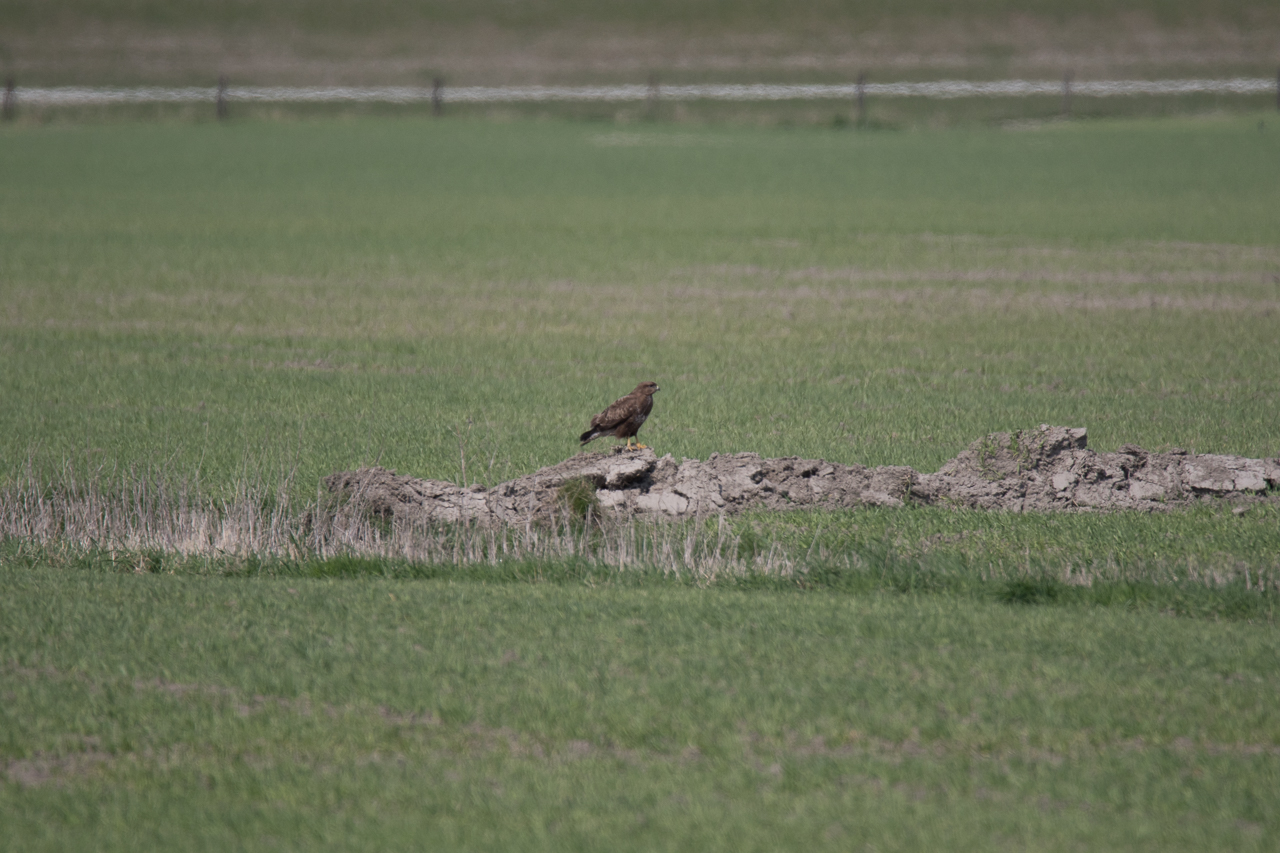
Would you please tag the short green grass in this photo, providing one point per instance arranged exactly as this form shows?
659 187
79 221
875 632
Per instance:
160 711
327 294
236 305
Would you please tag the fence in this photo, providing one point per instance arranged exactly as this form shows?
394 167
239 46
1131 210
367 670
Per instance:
437 94
92 96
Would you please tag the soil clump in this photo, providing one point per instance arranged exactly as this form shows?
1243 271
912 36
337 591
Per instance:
1043 469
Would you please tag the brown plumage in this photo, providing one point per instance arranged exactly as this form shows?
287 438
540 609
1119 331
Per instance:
624 418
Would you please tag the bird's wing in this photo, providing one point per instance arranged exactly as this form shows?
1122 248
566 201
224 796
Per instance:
621 410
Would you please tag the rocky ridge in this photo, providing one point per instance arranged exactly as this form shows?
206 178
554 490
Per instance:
1048 468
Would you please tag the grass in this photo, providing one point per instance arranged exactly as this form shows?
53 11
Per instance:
200 321
150 711
716 15
1209 561
321 295
393 42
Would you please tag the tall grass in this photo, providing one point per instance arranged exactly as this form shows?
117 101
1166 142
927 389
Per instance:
150 522
145 513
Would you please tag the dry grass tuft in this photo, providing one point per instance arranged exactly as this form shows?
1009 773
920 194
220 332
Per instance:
149 512
144 519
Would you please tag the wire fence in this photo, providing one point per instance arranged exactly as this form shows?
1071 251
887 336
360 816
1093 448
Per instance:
437 94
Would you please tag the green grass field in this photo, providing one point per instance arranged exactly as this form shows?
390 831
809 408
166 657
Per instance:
327 294
239 305
158 712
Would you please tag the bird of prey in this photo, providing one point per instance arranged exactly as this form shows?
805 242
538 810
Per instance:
624 417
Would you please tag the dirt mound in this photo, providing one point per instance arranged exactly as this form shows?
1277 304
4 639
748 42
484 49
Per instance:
1049 468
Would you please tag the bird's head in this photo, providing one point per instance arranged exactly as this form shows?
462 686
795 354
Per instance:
647 388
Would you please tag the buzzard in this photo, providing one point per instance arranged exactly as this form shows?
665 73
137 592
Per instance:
624 417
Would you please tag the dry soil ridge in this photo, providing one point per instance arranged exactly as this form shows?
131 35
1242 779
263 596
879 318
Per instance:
1048 468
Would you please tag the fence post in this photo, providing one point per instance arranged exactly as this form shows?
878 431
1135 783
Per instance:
861 117
1066 94
221 103
437 96
10 100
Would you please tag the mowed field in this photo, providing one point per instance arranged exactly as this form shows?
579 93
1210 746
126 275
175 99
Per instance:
155 712
322 295
252 304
